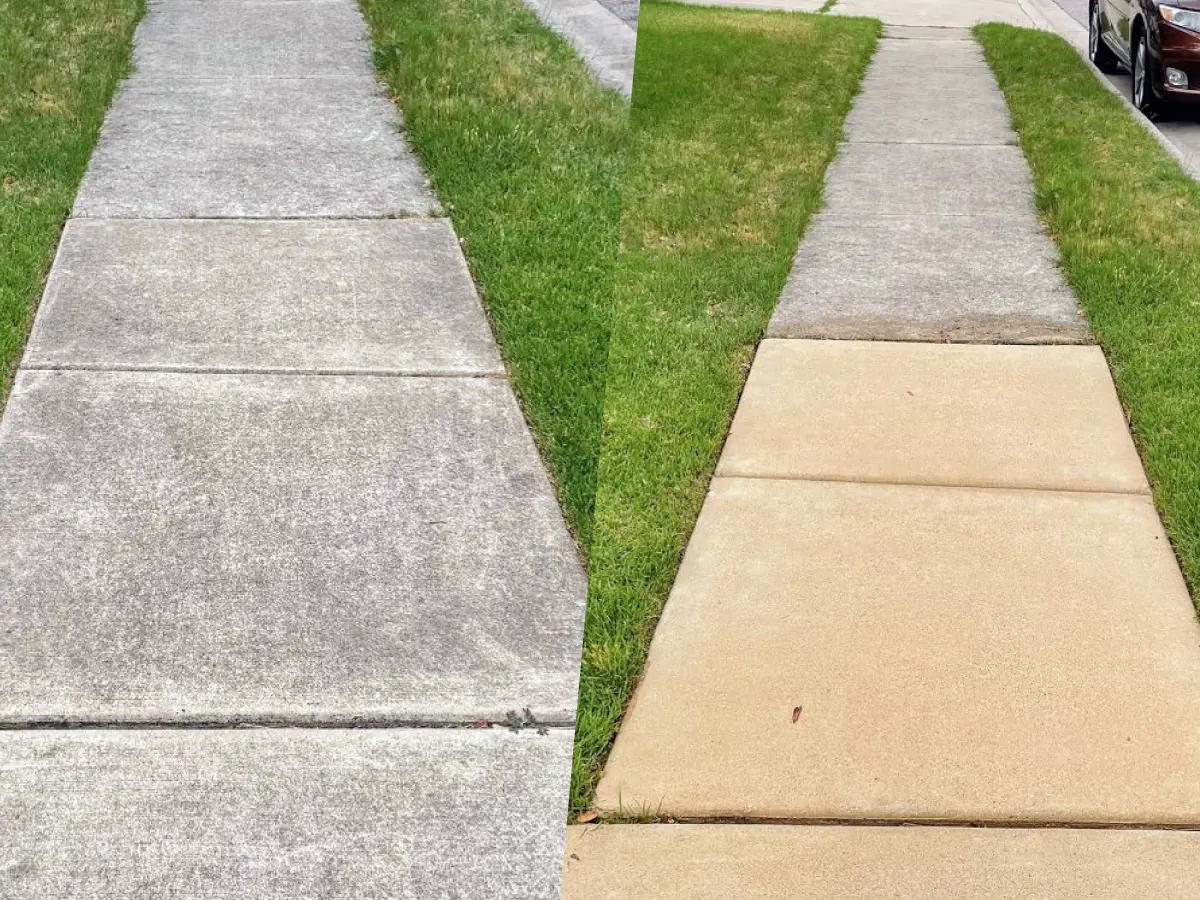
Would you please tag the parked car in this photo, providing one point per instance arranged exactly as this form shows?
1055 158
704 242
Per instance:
1158 43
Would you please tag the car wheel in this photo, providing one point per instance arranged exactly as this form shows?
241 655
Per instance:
1099 52
1143 79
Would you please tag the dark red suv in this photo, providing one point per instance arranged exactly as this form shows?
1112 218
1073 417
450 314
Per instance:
1159 43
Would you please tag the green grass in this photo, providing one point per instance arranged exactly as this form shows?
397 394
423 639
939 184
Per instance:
735 117
60 61
525 151
1127 222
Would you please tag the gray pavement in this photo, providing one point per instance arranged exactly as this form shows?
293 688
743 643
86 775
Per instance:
363 295
603 34
261 467
626 10
929 231
280 814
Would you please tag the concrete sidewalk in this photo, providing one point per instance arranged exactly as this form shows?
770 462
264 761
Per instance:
261 466
929 584
604 34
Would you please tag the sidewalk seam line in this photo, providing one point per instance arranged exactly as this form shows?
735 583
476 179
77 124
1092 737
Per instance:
309 373
935 484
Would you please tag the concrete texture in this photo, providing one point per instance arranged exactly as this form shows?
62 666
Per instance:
928 278
931 55
762 5
1018 417
924 33
341 296
282 148
251 39
772 862
625 10
962 654
935 13
871 180
281 814
1076 9
929 231
895 108
604 40
220 548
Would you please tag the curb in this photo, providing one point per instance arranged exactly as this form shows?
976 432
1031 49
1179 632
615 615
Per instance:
1048 16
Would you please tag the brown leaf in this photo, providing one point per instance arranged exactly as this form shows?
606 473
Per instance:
796 714
590 816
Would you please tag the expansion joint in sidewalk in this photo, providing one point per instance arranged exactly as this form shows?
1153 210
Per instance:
964 486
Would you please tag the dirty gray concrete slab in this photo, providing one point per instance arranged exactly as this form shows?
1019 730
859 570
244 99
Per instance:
894 107
280 814
762 5
275 148
933 278
928 54
220 548
604 41
380 295
625 10
250 39
870 180
1076 9
935 13
920 33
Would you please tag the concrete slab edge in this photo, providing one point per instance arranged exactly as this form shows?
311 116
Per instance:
1047 16
607 50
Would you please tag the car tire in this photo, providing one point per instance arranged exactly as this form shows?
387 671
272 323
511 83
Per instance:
1142 92
1099 52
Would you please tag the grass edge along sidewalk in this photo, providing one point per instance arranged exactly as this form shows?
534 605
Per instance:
525 151
1126 220
735 117
60 63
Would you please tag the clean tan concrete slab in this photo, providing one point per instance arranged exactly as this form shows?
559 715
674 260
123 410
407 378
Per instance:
282 814
960 414
881 652
331 295
935 13
778 862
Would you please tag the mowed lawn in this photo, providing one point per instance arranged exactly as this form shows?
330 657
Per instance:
1126 219
735 117
60 61
525 151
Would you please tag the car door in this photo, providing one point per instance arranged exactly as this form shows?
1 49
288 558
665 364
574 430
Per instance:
1120 17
